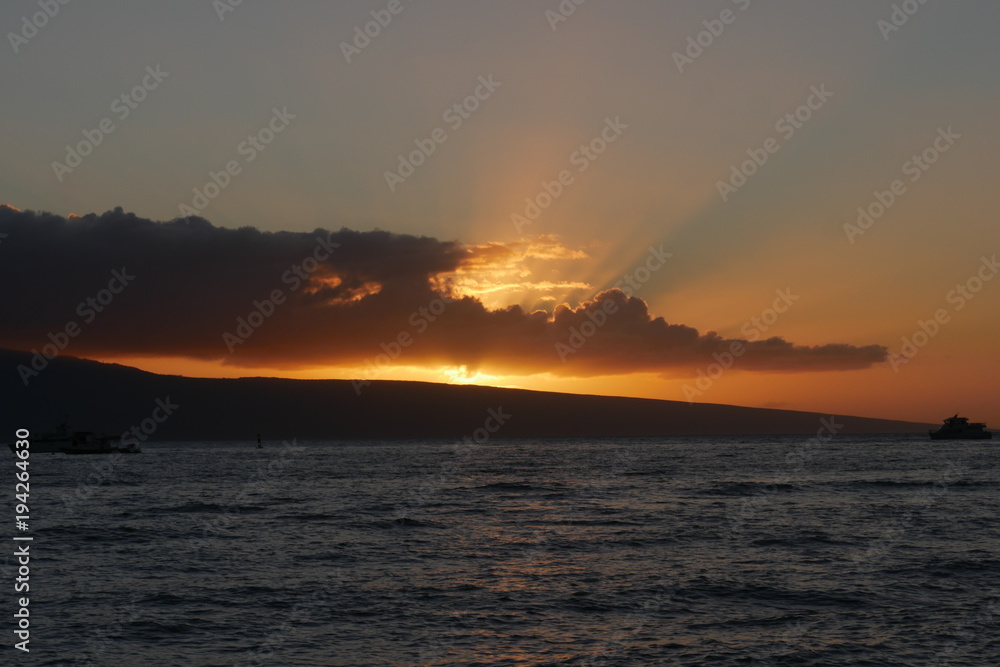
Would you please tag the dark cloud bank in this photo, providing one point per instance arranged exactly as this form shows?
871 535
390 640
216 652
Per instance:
177 288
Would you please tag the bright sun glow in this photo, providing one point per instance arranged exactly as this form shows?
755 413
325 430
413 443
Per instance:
503 274
461 375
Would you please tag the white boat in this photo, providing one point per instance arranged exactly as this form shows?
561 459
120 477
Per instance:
959 428
78 442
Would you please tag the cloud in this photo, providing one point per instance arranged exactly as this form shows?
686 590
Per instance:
500 274
194 283
633 340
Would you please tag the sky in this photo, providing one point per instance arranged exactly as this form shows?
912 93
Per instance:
762 203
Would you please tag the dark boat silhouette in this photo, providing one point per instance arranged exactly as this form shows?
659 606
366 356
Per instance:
959 428
78 442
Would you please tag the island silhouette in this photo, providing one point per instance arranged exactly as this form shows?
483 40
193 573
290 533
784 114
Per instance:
116 399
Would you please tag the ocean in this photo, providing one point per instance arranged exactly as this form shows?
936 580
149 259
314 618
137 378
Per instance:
851 550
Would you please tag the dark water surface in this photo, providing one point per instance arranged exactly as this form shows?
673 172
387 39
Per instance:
720 551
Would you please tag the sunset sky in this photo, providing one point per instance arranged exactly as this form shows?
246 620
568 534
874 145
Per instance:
679 183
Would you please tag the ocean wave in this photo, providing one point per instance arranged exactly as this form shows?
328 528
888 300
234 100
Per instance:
748 488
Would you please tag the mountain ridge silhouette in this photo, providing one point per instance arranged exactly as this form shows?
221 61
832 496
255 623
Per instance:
112 398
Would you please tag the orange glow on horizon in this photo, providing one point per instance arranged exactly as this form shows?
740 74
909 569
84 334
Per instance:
877 393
